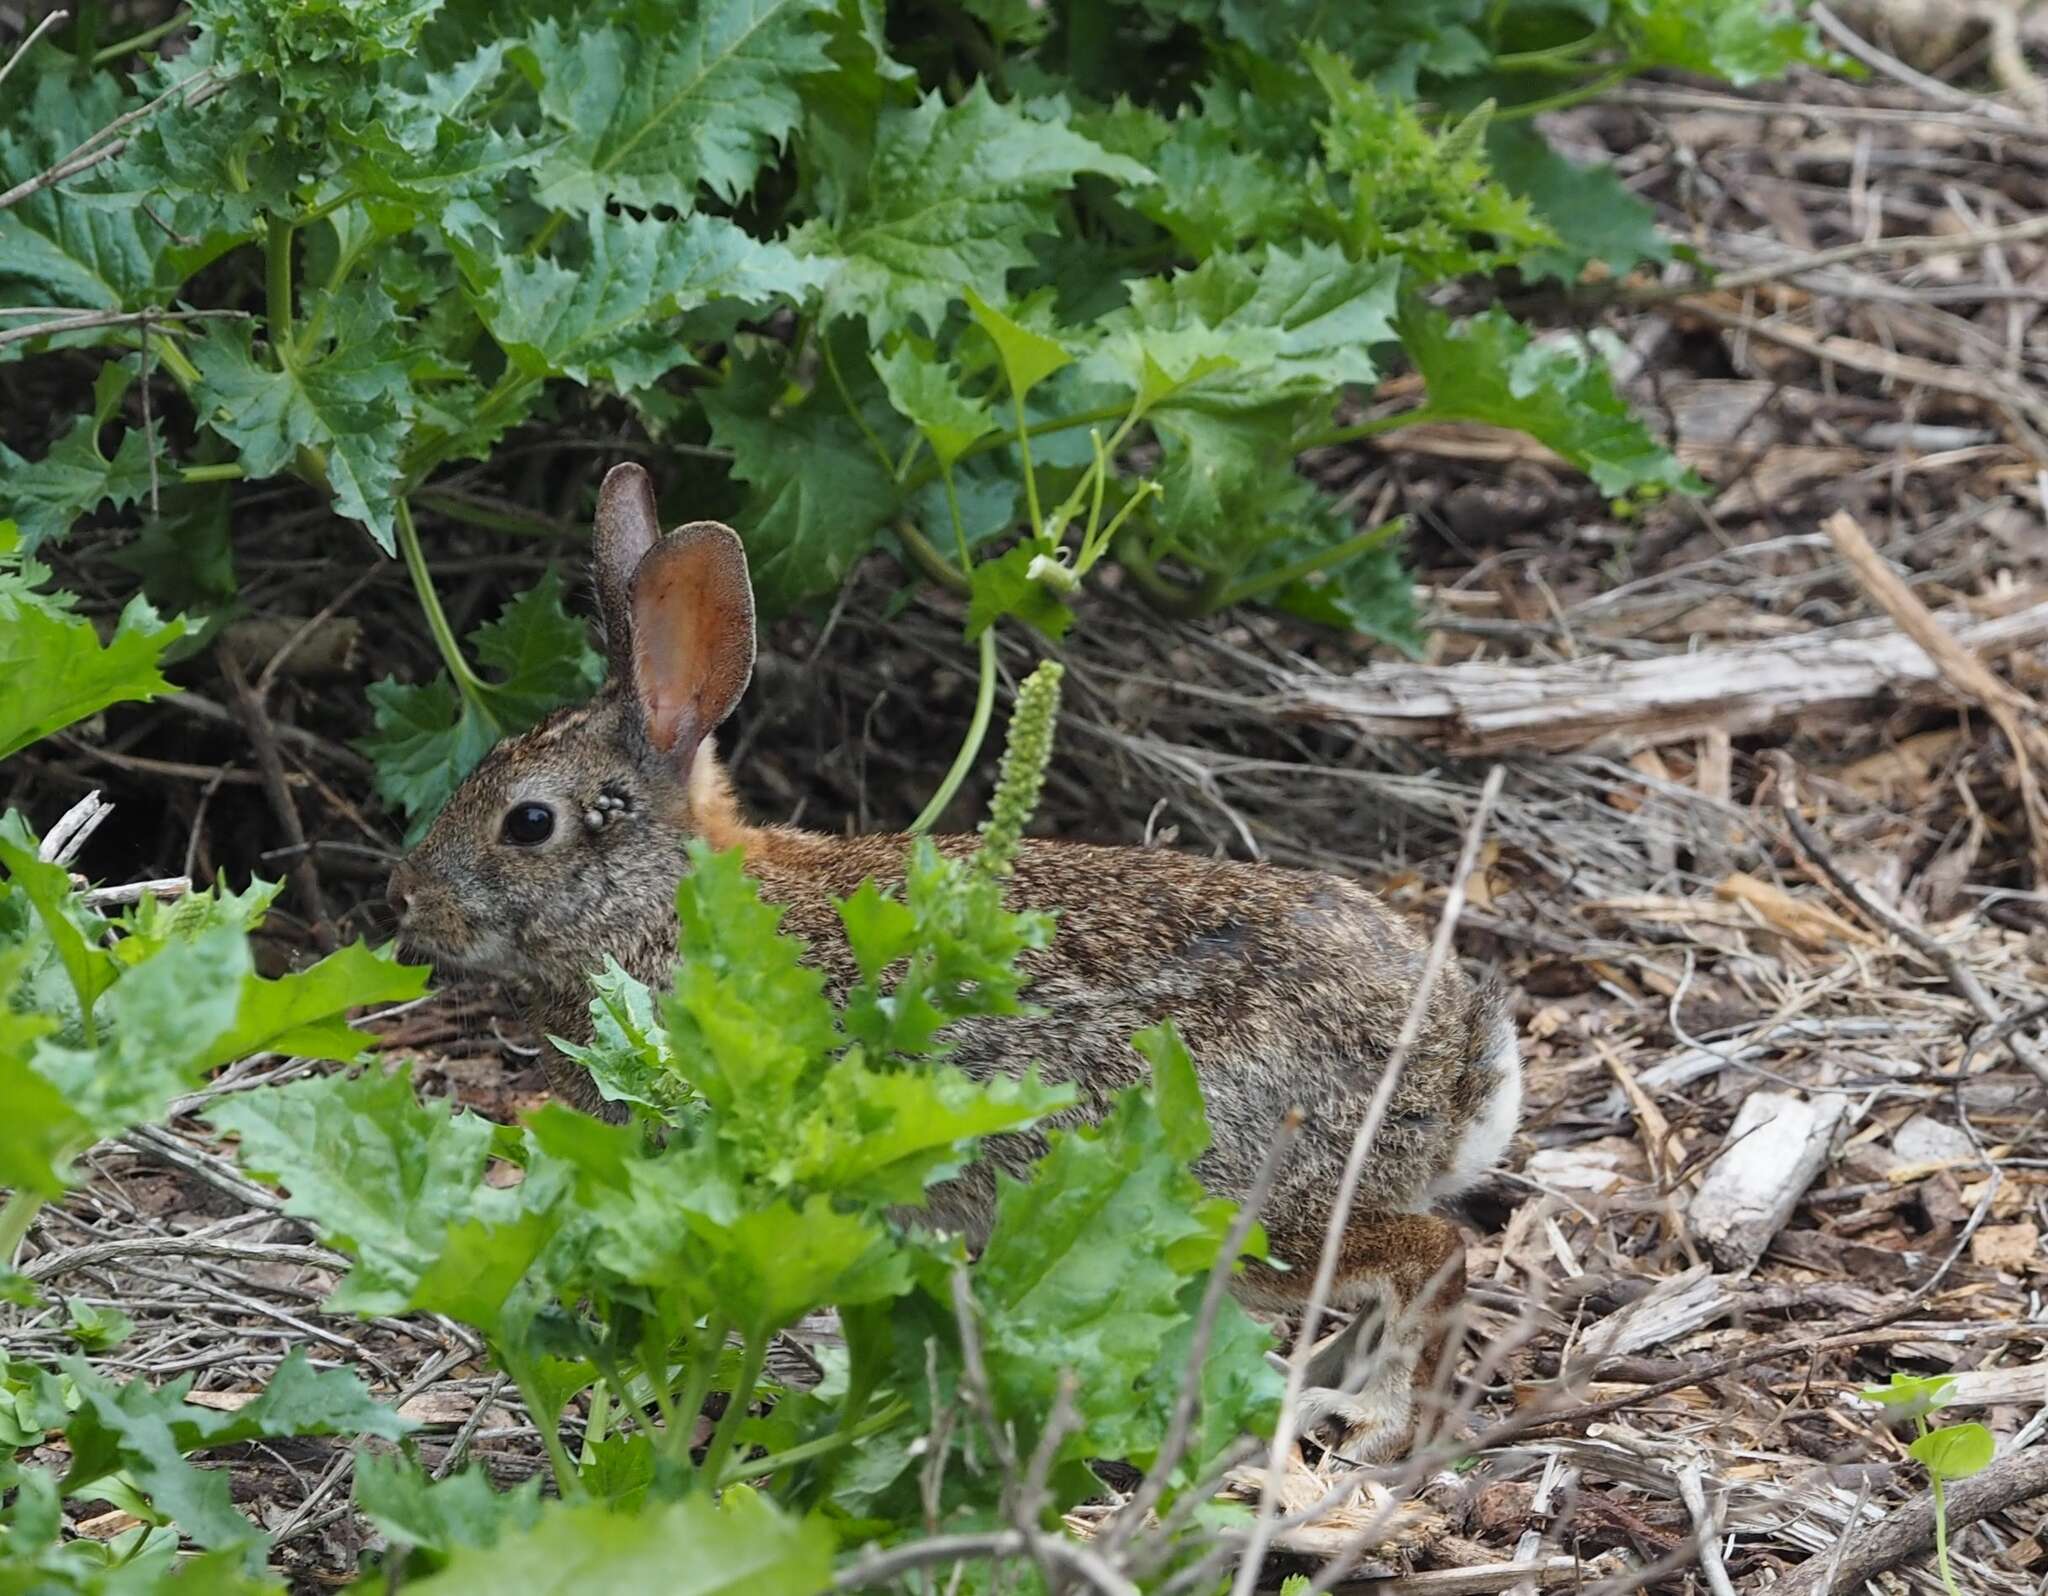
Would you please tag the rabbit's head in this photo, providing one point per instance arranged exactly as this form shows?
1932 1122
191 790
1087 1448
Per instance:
566 842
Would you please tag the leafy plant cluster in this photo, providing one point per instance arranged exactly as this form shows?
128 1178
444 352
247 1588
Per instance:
779 1135
1010 288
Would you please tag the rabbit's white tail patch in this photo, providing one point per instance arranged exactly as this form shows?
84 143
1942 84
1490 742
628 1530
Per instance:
1486 1138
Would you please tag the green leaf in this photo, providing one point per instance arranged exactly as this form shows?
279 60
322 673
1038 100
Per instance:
1004 586
628 1054
58 670
1492 370
605 317
1027 357
645 119
737 1545
385 1177
145 1432
1738 40
926 391
68 245
1955 1452
348 400
1594 216
747 1018
949 196
1176 1093
96 1329
73 479
299 1400
1084 1272
129 1428
88 965
305 1012
465 1509
429 736
1412 192
886 1136
1910 1396
818 495
1249 330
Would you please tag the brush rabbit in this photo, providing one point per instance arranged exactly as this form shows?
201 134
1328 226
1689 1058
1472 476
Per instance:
566 844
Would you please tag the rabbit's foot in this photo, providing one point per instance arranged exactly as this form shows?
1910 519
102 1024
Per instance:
1370 1426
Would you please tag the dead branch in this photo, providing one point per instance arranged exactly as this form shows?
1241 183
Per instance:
1899 1535
1483 708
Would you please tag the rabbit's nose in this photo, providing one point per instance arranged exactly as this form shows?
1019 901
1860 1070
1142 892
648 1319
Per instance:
398 893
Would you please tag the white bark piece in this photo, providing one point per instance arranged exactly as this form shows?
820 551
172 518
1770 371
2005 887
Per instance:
1775 1148
1479 707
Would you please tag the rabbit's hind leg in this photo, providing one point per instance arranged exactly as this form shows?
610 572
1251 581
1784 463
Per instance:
1401 1277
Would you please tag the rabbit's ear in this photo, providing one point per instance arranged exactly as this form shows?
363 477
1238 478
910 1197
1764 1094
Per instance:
626 529
692 636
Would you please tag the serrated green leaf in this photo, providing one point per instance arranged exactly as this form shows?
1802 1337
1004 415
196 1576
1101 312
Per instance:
1004 586
1594 216
145 1433
58 669
628 1053
306 1012
1084 1272
465 1509
128 1427
1491 369
818 498
429 736
1955 1451
46 496
1251 330
926 391
646 118
70 245
385 1177
949 196
1413 192
88 965
736 1545
1737 40
605 317
349 400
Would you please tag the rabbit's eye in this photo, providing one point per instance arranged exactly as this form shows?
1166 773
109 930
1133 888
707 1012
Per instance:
529 825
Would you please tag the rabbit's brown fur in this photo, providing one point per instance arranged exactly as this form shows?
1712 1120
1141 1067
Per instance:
1289 987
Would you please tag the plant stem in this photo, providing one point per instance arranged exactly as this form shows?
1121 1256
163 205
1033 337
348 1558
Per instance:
753 1468
925 556
1589 90
20 1212
852 409
430 605
226 471
722 1438
1948 1577
142 40
277 278
1166 595
1030 476
1322 560
1364 429
175 361
567 1481
970 747
703 1365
